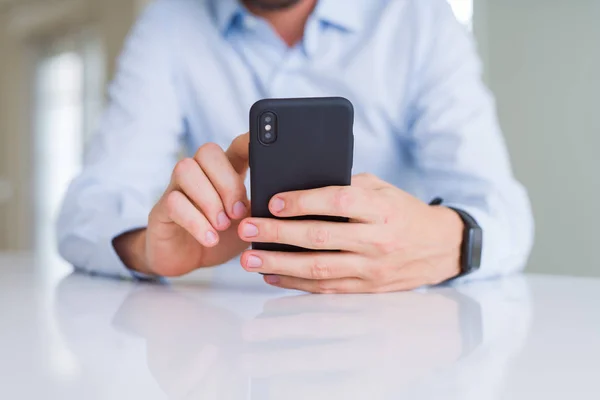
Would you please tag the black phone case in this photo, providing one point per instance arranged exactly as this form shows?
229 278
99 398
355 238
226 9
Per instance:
314 149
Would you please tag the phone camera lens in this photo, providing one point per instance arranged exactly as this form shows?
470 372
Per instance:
268 128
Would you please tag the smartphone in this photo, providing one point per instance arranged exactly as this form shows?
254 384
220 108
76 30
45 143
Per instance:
298 144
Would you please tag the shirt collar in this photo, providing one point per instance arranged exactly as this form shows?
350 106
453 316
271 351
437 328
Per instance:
347 15
226 12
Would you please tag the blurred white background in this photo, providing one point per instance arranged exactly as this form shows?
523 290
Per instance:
541 60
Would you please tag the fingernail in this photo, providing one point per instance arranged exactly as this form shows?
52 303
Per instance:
277 205
250 230
211 237
272 279
254 262
222 219
239 210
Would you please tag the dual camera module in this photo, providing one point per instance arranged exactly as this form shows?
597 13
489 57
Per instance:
268 128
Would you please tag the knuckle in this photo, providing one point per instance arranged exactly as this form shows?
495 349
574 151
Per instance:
319 270
296 203
191 225
379 274
172 204
273 229
275 263
207 150
182 168
343 198
235 189
386 246
318 237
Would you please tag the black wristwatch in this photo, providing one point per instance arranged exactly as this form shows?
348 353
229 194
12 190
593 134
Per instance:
472 243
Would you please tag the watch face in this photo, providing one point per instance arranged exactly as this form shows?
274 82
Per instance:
475 248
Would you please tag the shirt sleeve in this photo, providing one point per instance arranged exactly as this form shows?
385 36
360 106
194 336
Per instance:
457 144
130 158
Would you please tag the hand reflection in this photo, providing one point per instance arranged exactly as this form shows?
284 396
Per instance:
298 347
191 346
356 346
204 343
201 342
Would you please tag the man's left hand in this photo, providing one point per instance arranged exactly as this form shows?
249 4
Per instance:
393 241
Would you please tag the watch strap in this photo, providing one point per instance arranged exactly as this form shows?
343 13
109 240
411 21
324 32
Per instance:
472 243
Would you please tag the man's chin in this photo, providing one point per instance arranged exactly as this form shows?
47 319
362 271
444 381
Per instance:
273 4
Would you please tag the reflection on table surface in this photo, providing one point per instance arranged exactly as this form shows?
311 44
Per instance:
228 341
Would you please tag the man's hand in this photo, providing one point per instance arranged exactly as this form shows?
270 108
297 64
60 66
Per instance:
393 240
194 224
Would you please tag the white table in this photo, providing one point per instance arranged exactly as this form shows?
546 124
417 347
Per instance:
231 337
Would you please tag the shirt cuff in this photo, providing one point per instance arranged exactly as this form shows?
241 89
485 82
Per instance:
103 259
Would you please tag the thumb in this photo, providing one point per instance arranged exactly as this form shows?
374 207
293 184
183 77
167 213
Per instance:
238 153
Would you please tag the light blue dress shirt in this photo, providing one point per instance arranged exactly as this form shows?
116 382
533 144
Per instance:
191 69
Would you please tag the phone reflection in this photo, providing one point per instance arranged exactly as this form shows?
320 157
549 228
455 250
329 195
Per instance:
442 343
357 347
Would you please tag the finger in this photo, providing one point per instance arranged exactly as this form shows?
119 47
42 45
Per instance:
191 180
182 212
238 153
337 356
323 325
224 178
308 304
357 304
331 286
315 235
356 203
315 266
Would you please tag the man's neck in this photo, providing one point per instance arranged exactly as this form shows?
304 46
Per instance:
289 22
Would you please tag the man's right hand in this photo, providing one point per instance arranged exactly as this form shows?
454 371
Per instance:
194 224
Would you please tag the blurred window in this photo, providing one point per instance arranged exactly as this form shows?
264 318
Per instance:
69 96
463 9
